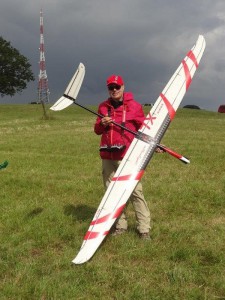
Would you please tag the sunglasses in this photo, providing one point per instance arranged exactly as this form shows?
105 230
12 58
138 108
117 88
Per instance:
112 87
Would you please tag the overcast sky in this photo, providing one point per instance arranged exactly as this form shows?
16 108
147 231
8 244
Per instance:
142 40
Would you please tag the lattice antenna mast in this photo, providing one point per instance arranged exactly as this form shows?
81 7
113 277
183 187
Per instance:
43 90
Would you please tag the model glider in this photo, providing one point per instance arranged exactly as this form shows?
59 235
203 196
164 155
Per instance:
139 153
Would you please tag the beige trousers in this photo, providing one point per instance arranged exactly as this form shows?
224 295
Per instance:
137 199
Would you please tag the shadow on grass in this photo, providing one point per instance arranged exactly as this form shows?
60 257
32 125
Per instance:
34 212
79 212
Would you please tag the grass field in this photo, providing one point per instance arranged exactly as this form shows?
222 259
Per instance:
52 186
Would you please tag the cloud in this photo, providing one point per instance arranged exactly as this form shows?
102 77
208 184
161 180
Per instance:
143 40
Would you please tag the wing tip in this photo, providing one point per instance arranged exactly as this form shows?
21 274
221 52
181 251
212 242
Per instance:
202 39
81 65
62 103
77 261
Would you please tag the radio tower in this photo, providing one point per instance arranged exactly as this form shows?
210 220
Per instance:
43 90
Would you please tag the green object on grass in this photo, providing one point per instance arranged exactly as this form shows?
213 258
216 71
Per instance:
4 164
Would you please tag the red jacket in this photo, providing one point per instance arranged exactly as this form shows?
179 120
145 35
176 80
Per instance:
131 112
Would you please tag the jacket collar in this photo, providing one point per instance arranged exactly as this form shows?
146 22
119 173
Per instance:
127 96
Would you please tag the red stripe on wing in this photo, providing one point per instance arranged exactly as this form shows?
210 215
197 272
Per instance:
193 58
93 235
113 215
187 74
136 176
169 106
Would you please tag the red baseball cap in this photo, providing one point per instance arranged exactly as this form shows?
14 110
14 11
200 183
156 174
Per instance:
116 79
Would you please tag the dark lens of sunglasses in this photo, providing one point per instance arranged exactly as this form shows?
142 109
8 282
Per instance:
112 87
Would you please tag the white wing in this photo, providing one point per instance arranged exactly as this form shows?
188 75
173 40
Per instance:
71 91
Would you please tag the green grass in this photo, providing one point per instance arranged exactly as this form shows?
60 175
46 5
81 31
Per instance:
52 186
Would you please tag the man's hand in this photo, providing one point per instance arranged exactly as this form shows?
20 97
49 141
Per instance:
159 150
106 121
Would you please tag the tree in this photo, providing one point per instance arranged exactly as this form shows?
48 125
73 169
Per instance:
15 71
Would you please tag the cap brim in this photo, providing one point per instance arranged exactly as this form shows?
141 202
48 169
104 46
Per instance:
114 83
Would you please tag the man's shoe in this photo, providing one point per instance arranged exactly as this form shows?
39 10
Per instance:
144 236
118 231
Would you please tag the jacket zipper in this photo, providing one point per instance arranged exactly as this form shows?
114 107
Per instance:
111 133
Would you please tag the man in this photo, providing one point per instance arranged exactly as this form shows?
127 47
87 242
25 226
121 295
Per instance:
123 109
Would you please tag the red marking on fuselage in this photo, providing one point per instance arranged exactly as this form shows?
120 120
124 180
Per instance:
169 106
145 125
150 118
